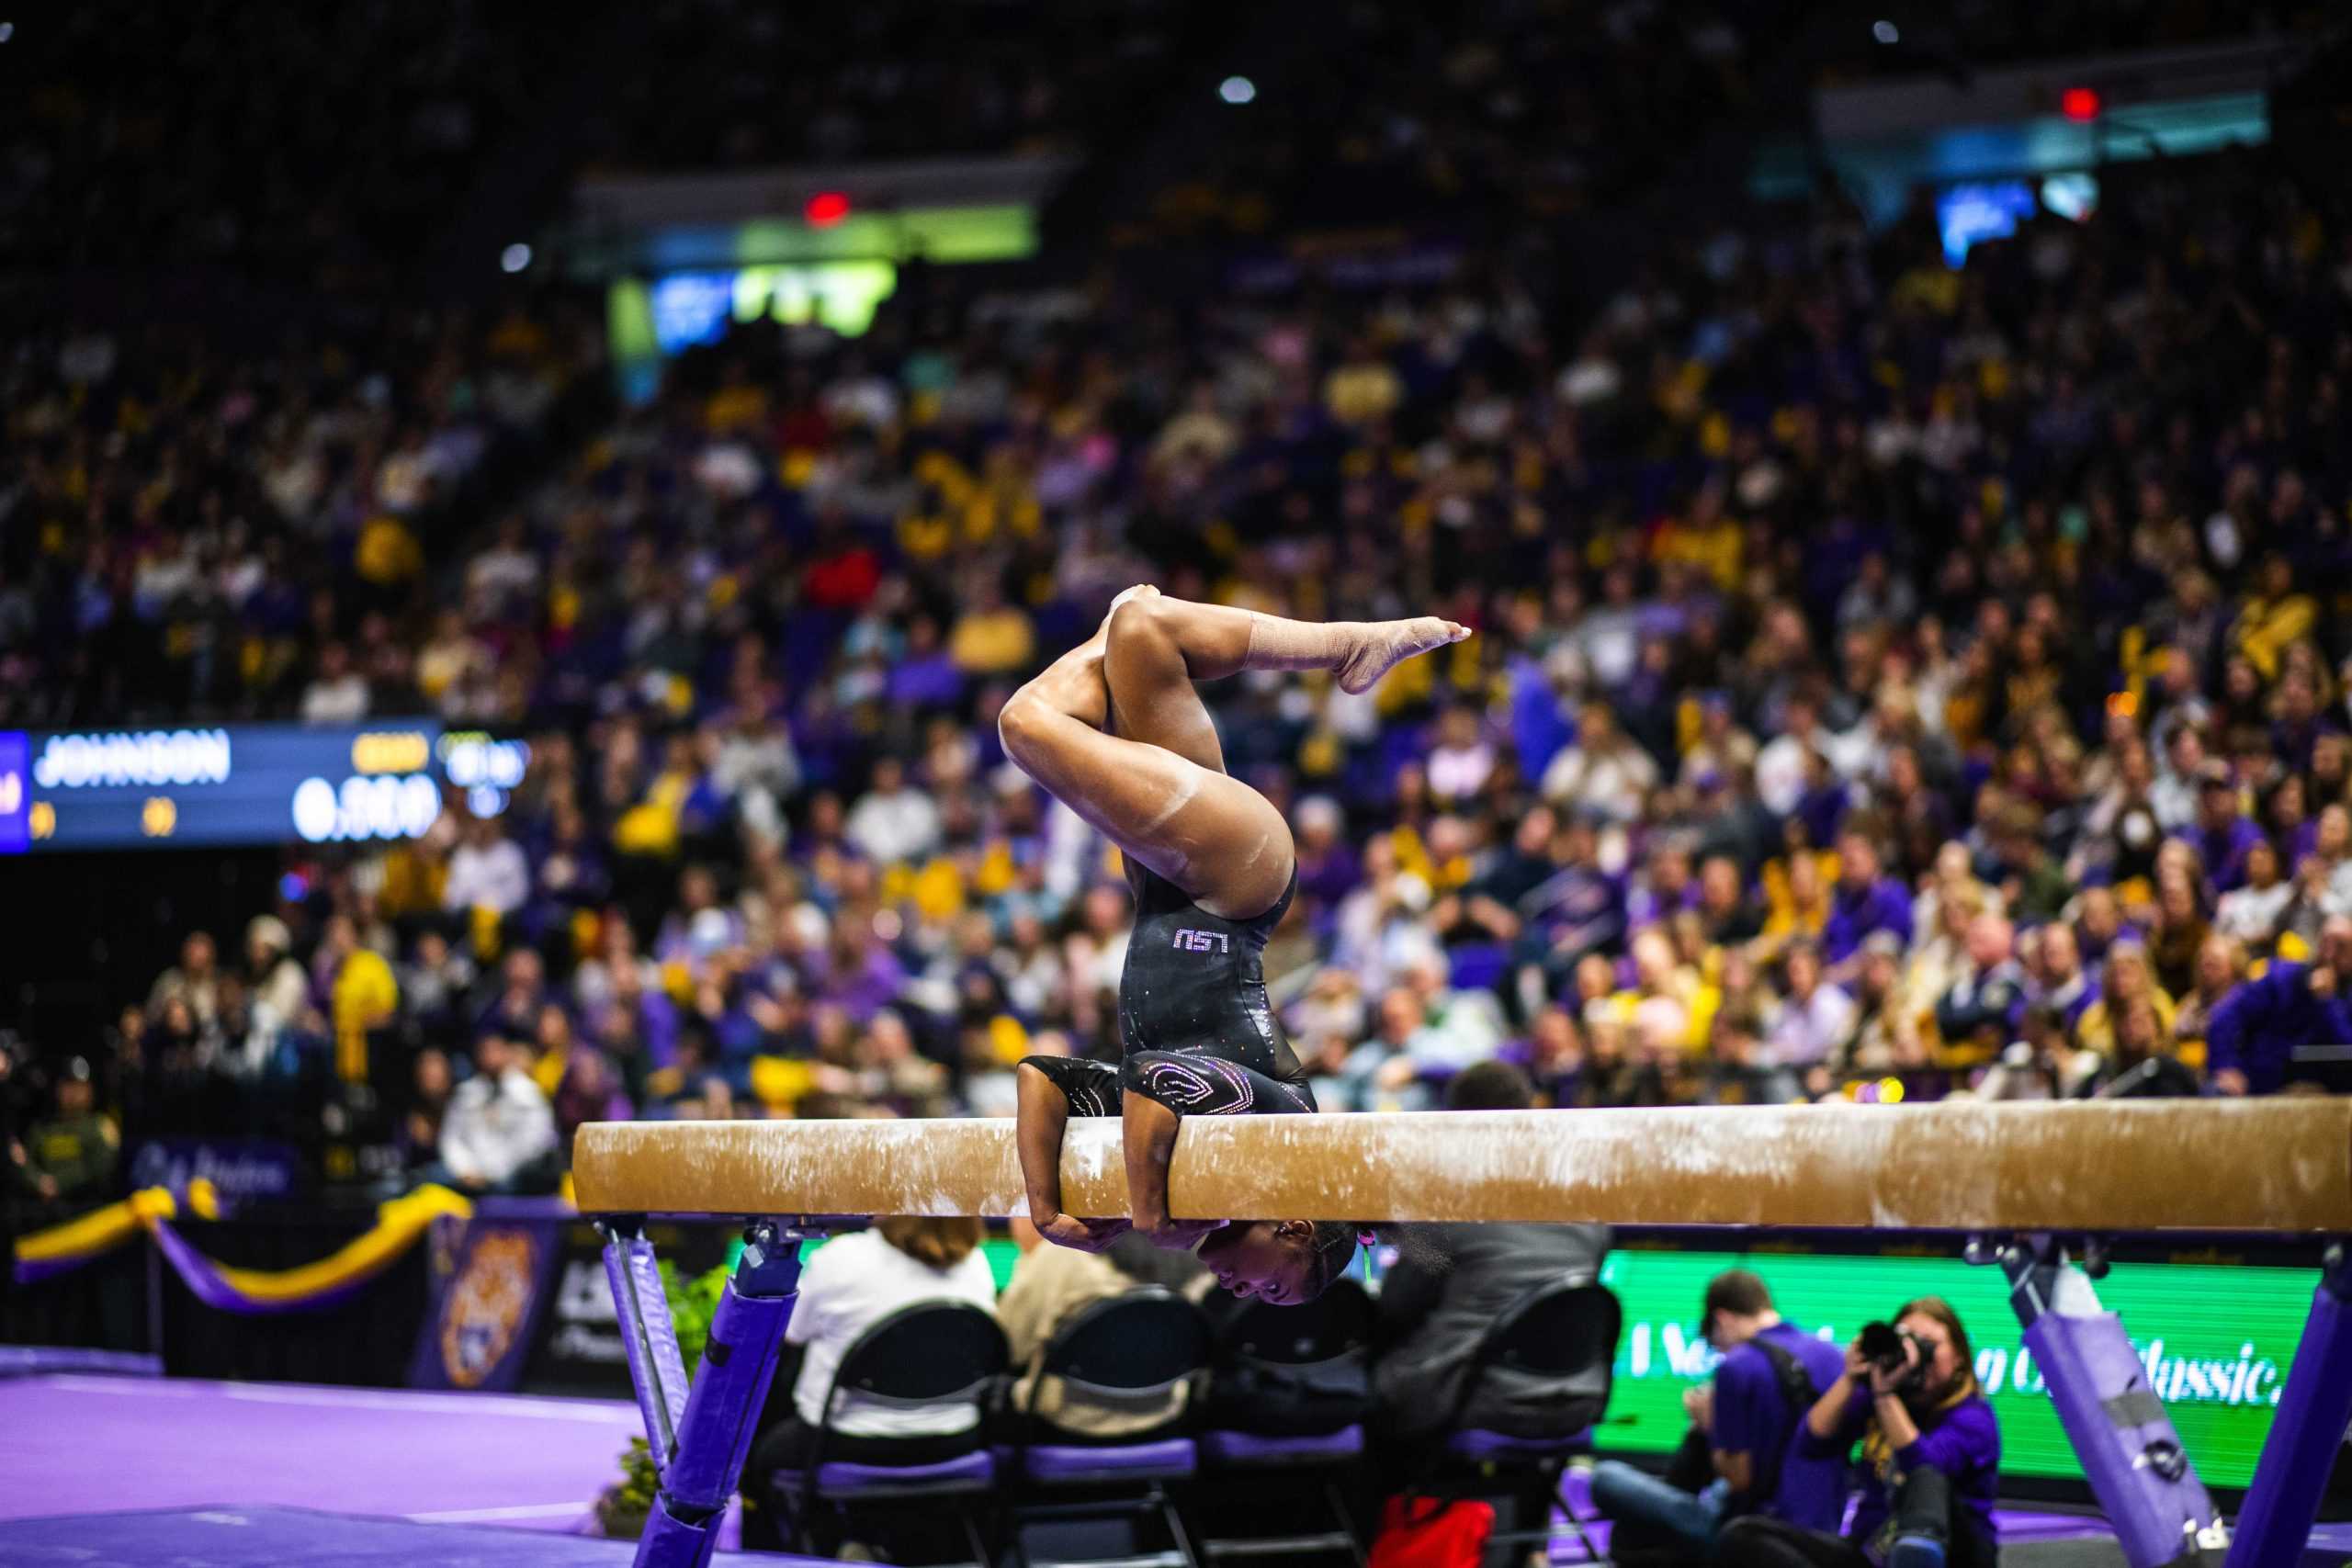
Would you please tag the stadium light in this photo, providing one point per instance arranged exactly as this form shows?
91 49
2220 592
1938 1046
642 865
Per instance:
1237 90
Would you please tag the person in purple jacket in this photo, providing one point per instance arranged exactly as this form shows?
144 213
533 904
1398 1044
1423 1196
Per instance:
1930 1452
2251 1040
1741 1456
1864 900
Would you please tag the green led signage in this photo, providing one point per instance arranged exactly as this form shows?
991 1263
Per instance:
2216 1339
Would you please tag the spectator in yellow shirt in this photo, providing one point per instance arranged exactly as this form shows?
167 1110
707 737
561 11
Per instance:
1361 389
992 638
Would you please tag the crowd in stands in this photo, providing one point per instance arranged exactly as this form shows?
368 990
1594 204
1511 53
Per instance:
289 144
1886 676
1473 112
194 531
880 83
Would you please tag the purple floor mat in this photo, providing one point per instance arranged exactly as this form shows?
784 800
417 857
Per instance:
32 1361
228 1537
77 1445
295 1538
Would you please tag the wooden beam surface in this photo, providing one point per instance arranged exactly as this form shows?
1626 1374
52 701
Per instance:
2281 1164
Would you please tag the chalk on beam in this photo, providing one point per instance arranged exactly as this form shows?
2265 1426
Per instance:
2281 1166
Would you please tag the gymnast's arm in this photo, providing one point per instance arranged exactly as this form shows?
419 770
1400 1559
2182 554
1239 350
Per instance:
1041 1114
1148 1133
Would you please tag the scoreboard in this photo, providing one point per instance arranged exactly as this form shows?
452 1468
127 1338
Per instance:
253 784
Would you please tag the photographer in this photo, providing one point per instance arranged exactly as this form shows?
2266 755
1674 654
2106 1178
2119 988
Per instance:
1741 1456
1932 1451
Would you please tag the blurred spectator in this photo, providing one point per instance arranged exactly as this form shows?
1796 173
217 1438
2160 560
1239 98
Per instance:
487 871
1446 1289
2255 1029
2254 912
419 1140
2129 980
1864 902
71 1157
2060 982
2044 1064
498 1135
1049 1286
338 693
2139 1063
195 980
1384 1072
893 822
1981 1009
1816 1019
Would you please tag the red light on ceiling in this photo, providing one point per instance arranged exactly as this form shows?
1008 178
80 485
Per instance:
826 208
2079 103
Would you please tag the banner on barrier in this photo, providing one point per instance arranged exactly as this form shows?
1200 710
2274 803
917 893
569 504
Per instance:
491 1281
242 1170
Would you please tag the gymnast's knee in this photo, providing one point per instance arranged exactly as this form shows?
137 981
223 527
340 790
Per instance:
1143 622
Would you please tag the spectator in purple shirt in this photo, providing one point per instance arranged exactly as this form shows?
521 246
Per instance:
924 676
2256 1027
1864 901
1742 1455
1931 1456
1329 869
2222 834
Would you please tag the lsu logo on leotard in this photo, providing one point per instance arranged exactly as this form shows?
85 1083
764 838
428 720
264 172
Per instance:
1189 940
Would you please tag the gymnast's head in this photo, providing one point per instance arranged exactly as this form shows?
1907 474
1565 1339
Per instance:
1282 1262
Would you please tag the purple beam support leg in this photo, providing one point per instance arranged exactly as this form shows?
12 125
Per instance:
2313 1410
655 1368
2129 1450
713 1432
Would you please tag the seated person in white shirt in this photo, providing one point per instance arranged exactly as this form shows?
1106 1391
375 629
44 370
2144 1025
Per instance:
850 1283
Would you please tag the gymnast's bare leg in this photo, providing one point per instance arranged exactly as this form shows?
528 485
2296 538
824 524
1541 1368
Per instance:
1116 730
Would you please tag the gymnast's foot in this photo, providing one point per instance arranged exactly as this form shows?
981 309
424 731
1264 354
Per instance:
1371 648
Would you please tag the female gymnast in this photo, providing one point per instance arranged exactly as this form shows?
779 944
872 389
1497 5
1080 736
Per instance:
1116 730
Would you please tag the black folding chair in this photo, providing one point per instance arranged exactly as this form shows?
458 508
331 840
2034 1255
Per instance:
1287 1397
1565 1329
1128 1352
927 1354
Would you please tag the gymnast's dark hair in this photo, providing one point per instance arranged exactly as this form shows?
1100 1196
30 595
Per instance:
1334 1245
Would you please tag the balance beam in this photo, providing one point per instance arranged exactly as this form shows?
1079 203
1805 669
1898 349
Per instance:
2278 1165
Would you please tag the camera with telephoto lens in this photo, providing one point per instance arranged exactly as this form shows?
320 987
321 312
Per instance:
1883 1346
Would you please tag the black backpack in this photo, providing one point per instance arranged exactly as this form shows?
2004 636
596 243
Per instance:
1799 1394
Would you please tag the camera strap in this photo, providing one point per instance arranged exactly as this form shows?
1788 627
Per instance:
1798 1393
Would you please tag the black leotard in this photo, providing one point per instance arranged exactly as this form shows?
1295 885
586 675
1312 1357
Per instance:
1198 1032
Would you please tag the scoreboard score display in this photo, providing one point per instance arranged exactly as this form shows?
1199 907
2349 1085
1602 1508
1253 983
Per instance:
250 784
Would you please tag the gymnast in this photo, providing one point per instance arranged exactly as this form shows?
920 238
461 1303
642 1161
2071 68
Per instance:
1116 730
